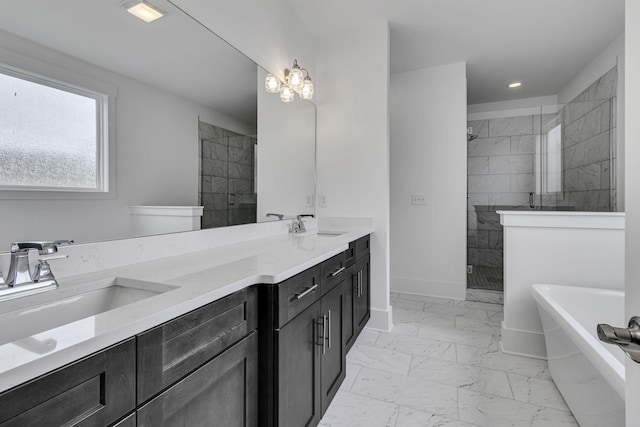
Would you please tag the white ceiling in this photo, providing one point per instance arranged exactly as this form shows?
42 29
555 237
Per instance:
174 53
544 43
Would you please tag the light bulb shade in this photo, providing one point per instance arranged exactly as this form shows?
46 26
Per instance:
295 78
272 83
306 91
286 94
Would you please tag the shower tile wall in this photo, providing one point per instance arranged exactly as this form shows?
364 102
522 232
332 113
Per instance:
226 177
588 151
500 169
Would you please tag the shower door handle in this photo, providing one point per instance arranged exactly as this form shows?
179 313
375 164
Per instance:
628 339
532 200
232 199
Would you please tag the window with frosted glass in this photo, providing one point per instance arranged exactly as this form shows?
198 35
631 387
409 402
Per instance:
51 135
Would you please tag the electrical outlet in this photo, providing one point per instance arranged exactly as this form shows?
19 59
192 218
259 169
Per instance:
469 269
308 200
323 201
469 130
418 199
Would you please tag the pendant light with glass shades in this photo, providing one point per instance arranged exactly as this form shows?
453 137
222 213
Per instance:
296 82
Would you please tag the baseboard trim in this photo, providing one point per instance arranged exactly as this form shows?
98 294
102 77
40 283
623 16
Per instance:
381 320
523 343
429 288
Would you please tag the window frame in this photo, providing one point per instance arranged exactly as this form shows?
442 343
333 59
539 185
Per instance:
104 93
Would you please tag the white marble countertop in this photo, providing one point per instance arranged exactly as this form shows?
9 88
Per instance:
201 277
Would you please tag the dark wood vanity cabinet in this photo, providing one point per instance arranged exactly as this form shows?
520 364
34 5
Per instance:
95 391
304 356
357 291
214 366
202 367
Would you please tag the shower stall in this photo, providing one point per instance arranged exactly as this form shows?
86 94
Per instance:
560 157
227 177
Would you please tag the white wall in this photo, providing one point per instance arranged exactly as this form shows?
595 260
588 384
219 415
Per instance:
156 138
560 248
632 194
429 156
353 142
266 31
612 55
286 155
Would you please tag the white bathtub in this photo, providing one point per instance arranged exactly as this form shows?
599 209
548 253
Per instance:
588 372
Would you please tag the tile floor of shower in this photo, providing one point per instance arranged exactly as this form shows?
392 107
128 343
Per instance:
442 366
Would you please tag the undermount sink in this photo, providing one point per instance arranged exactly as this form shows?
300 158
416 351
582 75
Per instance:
28 315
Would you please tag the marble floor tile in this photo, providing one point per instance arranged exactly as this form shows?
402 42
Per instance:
379 358
437 319
442 366
458 336
469 377
476 325
367 336
537 391
453 310
496 316
402 390
492 411
493 358
479 305
406 328
407 305
348 409
352 373
417 346
426 299
411 418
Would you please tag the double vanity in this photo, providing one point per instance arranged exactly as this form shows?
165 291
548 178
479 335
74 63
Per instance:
245 334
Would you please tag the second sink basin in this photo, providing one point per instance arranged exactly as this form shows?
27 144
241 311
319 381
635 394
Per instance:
29 315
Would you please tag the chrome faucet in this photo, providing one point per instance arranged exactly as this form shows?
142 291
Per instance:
19 277
280 216
297 225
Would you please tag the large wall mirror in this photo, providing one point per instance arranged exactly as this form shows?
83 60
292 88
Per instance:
189 122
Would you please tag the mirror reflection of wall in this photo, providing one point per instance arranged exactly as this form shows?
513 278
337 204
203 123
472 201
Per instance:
158 93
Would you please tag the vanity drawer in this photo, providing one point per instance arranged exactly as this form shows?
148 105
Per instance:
171 351
333 271
350 254
362 246
297 293
96 391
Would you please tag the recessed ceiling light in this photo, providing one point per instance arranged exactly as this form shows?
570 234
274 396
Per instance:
144 10
514 85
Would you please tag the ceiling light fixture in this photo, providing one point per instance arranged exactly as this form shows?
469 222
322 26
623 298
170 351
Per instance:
144 10
514 85
296 82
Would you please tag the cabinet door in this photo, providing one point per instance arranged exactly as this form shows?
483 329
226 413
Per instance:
349 288
299 345
170 351
362 296
222 393
333 351
95 391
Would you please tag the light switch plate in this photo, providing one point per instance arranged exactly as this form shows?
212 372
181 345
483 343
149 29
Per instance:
323 201
418 199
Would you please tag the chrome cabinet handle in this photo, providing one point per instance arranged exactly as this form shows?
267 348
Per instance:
306 292
360 283
329 328
338 271
324 334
